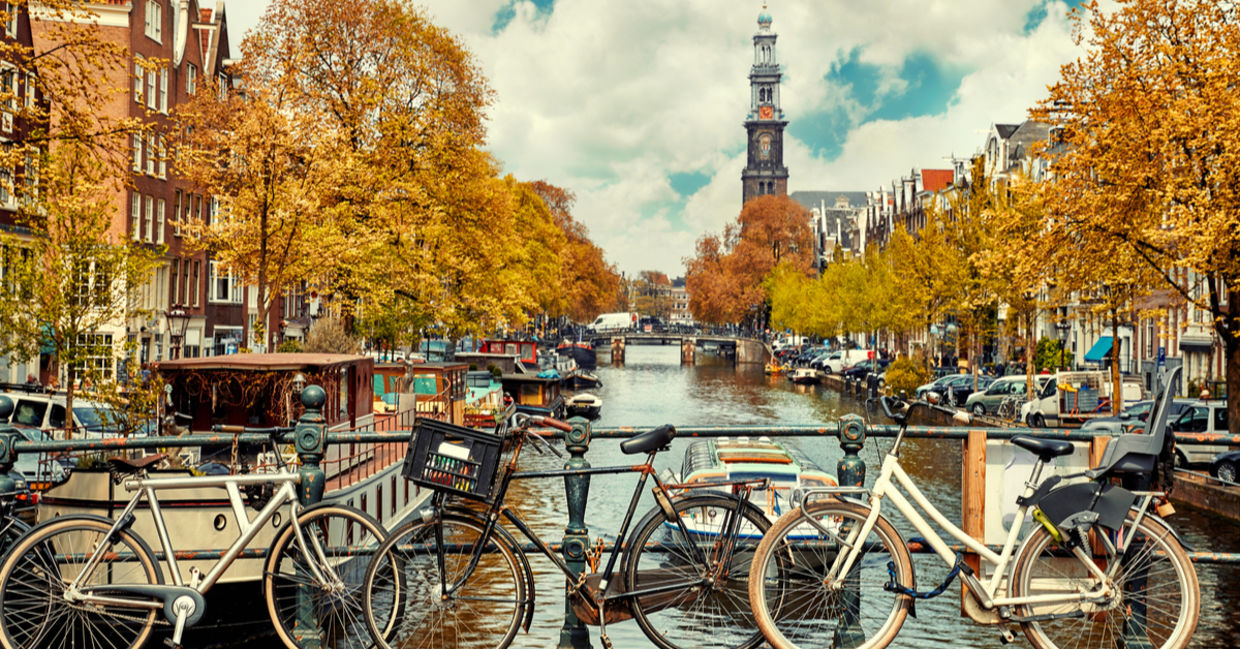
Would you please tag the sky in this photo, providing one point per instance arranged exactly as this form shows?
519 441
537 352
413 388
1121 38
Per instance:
637 106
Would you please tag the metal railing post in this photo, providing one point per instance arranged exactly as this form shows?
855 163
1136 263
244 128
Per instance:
851 473
8 447
574 634
310 439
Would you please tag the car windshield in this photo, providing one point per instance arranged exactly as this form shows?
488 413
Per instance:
93 418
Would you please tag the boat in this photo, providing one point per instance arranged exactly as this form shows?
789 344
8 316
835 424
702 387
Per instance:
484 401
775 369
582 353
534 394
578 379
743 458
805 376
583 405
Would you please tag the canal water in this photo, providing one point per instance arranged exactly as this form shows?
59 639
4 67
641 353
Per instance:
652 388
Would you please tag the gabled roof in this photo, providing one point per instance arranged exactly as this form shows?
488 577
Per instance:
816 199
1005 130
936 180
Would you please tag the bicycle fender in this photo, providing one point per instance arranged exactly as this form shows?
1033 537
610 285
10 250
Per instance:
1174 532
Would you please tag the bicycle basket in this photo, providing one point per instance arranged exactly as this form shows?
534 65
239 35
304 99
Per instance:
453 459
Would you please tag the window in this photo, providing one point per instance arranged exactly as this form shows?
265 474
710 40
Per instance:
139 78
10 24
6 189
30 175
150 154
159 221
154 20
135 213
195 287
163 90
150 90
222 286
191 79
223 89
8 85
137 152
163 157
176 213
150 218
97 349
174 272
32 89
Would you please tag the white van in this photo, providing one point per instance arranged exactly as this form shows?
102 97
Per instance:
847 358
1071 398
613 322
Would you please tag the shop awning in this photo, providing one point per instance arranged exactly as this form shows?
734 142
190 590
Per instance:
1099 350
1196 343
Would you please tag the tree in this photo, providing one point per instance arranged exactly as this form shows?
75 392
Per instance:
1150 117
652 291
590 284
927 270
69 282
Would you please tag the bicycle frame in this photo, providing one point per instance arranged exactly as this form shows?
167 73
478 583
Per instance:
893 477
146 489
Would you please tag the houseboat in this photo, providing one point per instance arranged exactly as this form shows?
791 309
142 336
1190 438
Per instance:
744 458
257 390
534 394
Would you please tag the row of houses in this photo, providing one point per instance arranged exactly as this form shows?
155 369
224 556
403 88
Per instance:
194 305
850 221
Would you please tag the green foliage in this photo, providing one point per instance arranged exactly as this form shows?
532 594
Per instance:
904 375
1051 355
290 346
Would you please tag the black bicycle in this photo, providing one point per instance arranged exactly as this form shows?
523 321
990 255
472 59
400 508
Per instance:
462 580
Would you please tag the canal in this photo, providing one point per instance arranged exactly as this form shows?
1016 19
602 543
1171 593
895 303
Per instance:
652 388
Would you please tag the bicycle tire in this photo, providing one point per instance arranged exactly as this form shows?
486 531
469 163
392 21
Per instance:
1156 567
790 587
36 614
691 617
345 537
485 611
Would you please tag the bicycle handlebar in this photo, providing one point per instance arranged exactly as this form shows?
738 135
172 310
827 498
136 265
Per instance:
554 423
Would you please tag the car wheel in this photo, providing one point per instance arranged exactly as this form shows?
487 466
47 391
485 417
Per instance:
1225 471
1037 421
979 409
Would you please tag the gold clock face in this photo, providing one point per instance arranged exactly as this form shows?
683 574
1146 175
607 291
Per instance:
764 146
766 112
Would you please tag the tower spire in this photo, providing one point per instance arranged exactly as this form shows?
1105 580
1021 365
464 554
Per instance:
765 172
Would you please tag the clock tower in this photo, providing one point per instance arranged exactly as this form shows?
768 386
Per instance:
764 172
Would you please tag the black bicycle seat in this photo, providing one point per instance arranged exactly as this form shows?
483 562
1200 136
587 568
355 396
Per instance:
126 466
650 440
1044 448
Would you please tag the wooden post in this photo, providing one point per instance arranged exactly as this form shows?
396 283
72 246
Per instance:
973 500
686 351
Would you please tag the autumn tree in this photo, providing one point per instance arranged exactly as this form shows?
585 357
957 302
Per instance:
1150 117
652 294
927 270
589 283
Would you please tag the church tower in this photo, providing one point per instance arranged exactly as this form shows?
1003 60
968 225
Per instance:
764 172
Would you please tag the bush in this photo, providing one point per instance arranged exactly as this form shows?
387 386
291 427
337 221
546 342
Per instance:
290 346
904 375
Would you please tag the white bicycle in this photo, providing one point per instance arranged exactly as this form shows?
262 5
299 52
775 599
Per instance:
1100 570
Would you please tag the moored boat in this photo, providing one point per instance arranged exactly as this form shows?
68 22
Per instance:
806 376
583 405
744 458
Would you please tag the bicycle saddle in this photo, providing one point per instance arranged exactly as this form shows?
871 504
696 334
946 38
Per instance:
126 466
1045 449
649 441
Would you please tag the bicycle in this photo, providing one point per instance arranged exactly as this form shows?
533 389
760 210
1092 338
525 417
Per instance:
1099 567
1009 408
463 580
93 581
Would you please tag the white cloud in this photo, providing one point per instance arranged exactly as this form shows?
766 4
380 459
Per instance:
609 99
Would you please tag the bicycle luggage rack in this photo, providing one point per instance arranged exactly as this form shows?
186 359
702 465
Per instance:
453 459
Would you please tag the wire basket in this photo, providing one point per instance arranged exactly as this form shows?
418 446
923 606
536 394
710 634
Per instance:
453 459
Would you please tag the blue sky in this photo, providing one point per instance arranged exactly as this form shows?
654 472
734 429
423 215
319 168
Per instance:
636 106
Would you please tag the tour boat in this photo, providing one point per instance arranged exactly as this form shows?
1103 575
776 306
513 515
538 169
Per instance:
743 458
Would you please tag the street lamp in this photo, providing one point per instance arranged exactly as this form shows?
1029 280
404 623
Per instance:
178 320
1063 326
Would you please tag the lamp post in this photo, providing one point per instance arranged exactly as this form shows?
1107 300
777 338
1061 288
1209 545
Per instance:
1063 326
178 320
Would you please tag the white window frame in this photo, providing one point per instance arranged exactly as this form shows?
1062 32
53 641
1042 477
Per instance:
139 78
154 21
223 88
176 213
191 79
160 205
150 218
32 89
162 162
150 154
231 293
137 152
8 84
135 213
163 90
8 198
10 26
150 90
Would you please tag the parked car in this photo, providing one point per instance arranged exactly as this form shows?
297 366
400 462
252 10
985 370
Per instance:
1201 417
1135 415
846 358
41 469
863 369
1225 465
957 388
987 401
46 412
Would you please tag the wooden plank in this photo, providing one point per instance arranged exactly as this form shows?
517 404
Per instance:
973 495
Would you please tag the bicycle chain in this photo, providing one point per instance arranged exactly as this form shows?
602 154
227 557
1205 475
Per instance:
110 613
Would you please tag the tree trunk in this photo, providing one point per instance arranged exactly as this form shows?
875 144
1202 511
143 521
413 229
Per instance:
1117 380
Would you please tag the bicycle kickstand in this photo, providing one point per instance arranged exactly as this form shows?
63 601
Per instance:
602 624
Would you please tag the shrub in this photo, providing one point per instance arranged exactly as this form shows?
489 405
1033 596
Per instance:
904 375
290 346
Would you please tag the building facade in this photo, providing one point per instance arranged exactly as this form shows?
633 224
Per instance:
764 172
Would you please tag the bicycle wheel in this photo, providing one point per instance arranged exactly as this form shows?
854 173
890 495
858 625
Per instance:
323 609
40 567
1155 601
800 600
709 606
483 611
